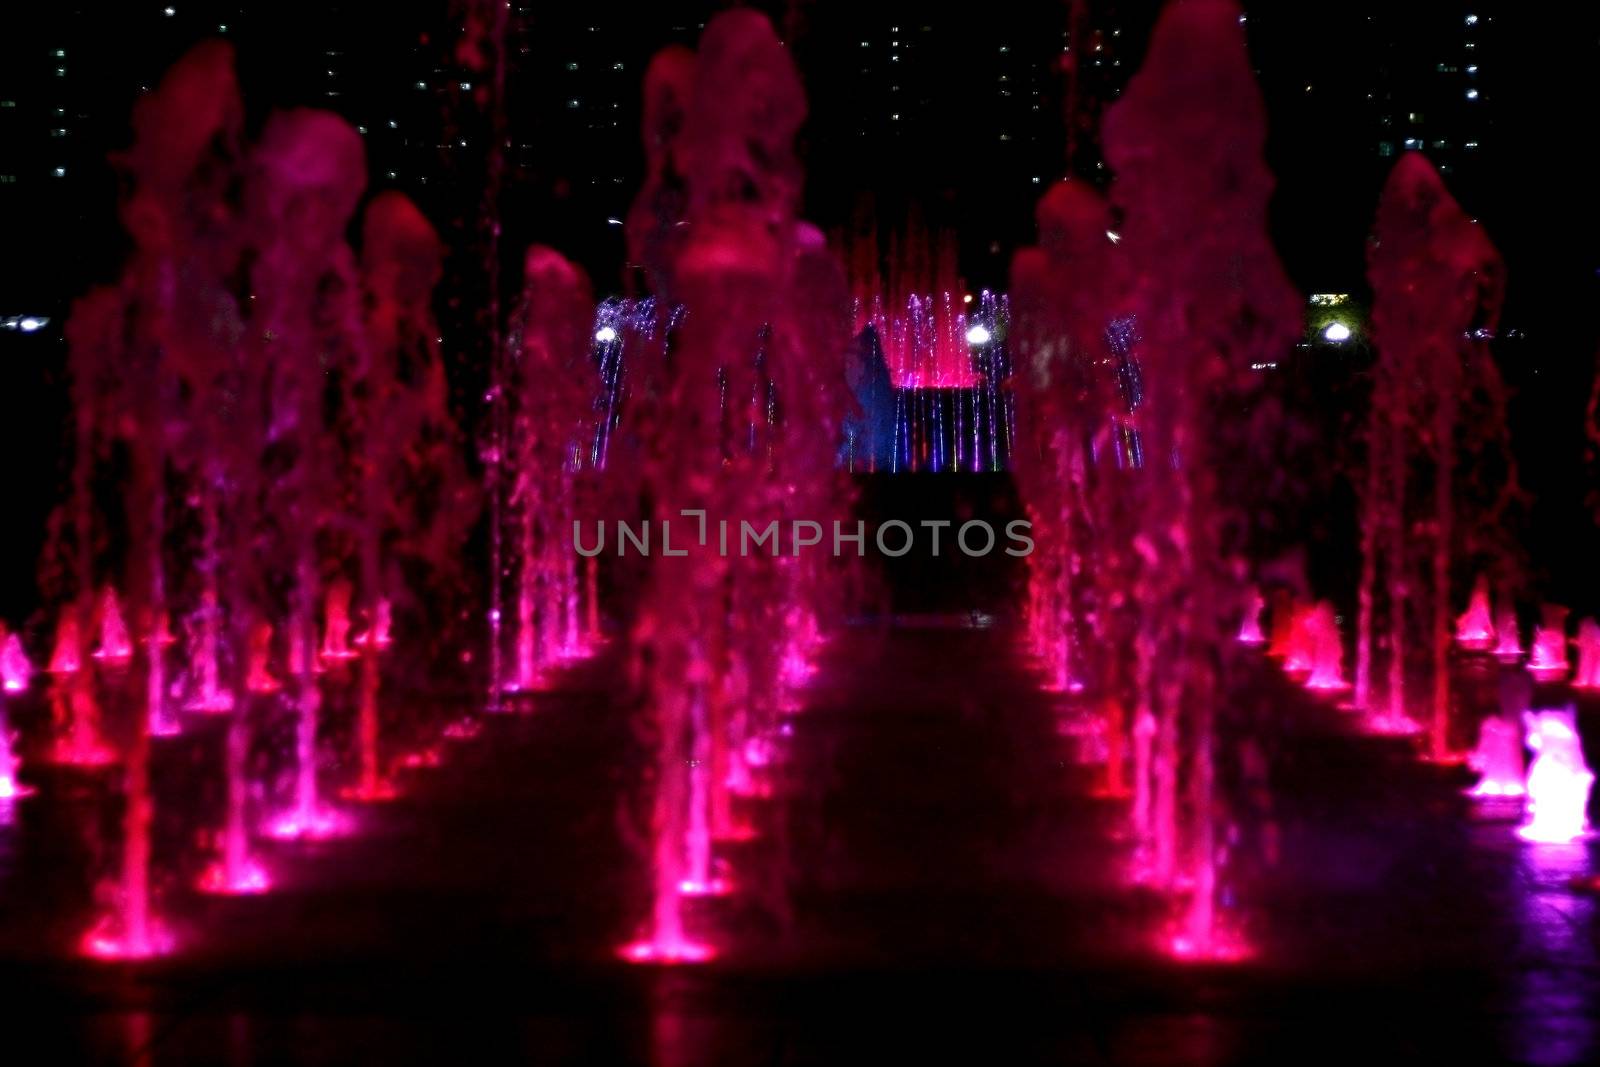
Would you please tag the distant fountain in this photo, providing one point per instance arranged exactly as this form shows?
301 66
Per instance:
1327 650
1559 779
1548 659
114 647
1475 627
1250 629
1588 646
66 657
1508 644
15 670
336 622
1498 759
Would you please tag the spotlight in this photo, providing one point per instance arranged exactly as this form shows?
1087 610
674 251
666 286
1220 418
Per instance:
1336 332
978 334
605 335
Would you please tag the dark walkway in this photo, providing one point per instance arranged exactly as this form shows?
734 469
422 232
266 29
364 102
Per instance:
935 882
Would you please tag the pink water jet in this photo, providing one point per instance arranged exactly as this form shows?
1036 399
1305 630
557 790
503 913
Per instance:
1508 644
1588 645
208 696
1300 650
247 878
1327 656
1559 779
10 787
1498 760
16 672
336 622
1475 627
258 665
75 714
66 656
1250 629
1548 659
115 646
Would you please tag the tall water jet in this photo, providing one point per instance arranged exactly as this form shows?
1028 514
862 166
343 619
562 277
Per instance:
396 414
552 388
727 429
1185 142
1437 422
307 173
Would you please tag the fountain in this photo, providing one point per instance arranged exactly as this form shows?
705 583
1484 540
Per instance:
115 648
1437 419
744 422
1474 627
1250 629
1588 645
1327 650
1508 644
1497 758
1559 779
1185 144
15 670
1548 659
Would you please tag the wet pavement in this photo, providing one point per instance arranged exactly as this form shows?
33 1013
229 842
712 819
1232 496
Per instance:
935 880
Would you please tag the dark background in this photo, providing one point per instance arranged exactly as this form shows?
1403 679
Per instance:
949 118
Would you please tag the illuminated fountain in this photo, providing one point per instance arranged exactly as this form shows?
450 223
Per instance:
1250 629
114 647
1475 627
757 349
10 787
1498 759
1327 650
1185 142
1508 644
15 670
1548 659
1559 779
552 385
1587 643
66 656
1436 422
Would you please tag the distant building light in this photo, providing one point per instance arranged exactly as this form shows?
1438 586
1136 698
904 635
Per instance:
613 222
1472 68
169 11
1114 235
978 334
25 323
1472 20
1472 94
1329 300
1336 332
60 172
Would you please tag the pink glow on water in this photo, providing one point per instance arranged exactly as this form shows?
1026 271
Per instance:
251 880
315 824
1299 654
378 792
667 953
1219 947
107 941
115 647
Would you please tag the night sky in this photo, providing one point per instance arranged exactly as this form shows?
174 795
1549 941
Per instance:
953 119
